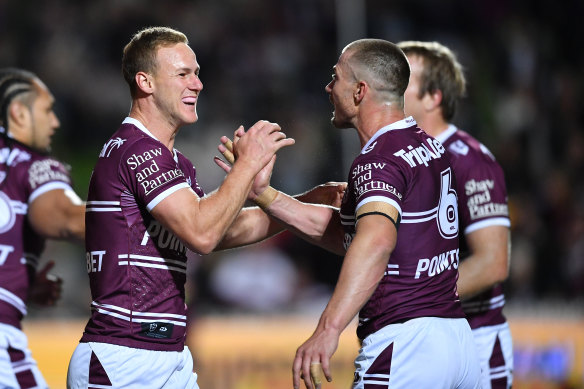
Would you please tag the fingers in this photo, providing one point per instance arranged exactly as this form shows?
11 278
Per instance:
219 162
316 374
296 371
306 374
326 369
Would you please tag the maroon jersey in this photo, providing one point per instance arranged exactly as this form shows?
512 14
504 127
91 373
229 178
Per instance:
403 166
482 199
137 268
25 174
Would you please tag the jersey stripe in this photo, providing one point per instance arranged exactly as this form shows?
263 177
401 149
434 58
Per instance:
12 299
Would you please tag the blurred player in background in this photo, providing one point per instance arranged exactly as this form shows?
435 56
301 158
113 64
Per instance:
36 202
145 209
398 231
436 83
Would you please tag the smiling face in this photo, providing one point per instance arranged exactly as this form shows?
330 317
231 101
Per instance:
176 83
340 90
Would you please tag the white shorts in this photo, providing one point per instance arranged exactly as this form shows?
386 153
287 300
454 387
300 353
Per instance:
427 352
102 365
495 348
17 368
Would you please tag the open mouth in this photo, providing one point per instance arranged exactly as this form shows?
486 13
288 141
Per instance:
189 100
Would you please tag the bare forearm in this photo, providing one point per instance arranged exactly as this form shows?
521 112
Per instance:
363 268
252 225
58 214
318 224
488 264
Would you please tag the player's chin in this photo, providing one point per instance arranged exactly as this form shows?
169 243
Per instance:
190 117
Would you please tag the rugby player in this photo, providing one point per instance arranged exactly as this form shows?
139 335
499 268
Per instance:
437 82
36 202
398 231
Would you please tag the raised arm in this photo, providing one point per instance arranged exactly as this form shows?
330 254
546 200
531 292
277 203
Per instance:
201 223
318 224
58 214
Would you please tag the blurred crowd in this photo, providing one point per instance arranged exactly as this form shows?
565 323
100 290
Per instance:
270 60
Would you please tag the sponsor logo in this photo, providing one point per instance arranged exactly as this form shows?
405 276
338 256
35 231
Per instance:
138 159
41 172
94 260
369 148
471 187
363 180
114 143
144 174
459 147
347 240
150 185
156 330
479 200
13 156
438 263
367 167
163 238
488 210
422 154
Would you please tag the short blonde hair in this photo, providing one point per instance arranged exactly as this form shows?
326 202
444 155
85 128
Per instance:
140 53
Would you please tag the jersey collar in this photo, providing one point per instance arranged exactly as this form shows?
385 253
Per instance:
141 127
444 135
399 125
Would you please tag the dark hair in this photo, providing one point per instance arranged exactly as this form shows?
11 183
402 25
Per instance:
384 62
140 53
442 72
15 83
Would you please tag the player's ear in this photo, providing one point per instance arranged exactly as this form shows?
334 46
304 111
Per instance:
19 114
144 82
360 91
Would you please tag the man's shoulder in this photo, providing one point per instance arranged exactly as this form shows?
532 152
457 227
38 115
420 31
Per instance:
469 150
128 140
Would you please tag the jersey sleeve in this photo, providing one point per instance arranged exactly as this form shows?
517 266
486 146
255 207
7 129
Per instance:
482 192
150 172
45 175
377 180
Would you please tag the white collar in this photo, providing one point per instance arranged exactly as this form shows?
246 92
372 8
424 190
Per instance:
141 127
444 135
401 124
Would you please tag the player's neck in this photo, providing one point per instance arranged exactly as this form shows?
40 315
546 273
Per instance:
369 122
154 122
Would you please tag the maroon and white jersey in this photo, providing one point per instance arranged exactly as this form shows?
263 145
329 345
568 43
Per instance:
137 268
402 166
482 200
25 174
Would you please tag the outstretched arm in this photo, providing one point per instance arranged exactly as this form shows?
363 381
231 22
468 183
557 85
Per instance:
253 225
